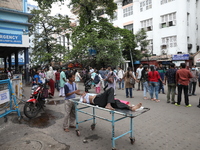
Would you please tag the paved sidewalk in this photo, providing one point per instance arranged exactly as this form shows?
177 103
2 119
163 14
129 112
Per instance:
165 126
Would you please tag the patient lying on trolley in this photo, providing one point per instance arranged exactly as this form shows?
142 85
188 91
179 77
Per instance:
106 100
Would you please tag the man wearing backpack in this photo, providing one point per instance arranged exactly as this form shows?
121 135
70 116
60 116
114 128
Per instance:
97 82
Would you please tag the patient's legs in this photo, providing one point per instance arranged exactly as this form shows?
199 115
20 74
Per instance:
105 99
133 108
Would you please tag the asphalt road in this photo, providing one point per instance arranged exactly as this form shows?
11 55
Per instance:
165 126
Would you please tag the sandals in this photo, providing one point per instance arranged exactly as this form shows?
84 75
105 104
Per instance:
66 130
153 99
157 100
145 98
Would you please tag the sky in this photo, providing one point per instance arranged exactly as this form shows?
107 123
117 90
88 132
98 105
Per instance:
56 8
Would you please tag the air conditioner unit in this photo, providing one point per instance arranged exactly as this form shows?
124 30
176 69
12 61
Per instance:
189 46
163 46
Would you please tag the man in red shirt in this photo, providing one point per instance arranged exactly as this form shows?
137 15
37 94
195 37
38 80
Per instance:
182 79
57 76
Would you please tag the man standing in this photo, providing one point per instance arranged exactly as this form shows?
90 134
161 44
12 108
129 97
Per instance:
193 81
170 77
121 81
138 76
63 80
182 79
57 78
70 92
102 72
161 72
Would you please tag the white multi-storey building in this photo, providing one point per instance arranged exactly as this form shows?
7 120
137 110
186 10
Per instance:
171 25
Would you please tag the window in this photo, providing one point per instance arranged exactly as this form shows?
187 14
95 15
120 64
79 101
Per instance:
165 1
147 24
145 5
168 20
126 2
129 27
168 42
128 11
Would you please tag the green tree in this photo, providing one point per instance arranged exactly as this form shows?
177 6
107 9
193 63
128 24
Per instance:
99 36
46 48
96 33
141 39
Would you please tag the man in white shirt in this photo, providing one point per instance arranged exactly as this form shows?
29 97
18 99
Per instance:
121 81
138 76
91 70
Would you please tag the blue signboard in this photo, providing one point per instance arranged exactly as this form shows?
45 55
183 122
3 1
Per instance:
10 38
136 62
92 52
20 61
181 57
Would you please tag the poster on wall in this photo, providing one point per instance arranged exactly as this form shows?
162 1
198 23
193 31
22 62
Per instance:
12 4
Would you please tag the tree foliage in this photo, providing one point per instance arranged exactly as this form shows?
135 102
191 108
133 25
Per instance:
46 48
99 36
94 32
89 10
140 38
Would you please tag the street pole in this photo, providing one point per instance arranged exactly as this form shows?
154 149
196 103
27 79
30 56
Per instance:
131 59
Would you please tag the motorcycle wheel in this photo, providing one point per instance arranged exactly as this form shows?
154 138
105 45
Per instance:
31 110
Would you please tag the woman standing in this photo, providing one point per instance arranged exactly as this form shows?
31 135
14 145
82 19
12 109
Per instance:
51 78
111 79
144 80
154 77
129 87
77 78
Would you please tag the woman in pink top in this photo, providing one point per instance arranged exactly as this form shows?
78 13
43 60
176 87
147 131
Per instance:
154 77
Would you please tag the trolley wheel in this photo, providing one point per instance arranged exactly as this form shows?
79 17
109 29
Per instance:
132 140
78 133
5 119
93 126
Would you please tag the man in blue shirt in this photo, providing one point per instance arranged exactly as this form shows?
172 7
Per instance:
70 92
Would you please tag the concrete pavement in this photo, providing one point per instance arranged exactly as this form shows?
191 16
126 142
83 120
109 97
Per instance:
165 127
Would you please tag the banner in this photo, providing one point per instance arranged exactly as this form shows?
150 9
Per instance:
10 38
4 96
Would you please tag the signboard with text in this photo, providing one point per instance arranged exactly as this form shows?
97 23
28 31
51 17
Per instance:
12 4
181 57
4 96
10 38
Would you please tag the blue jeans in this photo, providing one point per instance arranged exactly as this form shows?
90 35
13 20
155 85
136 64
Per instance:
161 87
121 84
146 88
154 86
129 91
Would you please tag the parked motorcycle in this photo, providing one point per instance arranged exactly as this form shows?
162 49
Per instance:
37 100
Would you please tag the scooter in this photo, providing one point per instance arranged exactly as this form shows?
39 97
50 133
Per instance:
37 101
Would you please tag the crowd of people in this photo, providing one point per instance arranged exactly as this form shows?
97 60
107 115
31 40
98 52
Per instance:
150 80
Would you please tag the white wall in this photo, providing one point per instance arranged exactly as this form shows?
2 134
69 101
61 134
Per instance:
182 30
